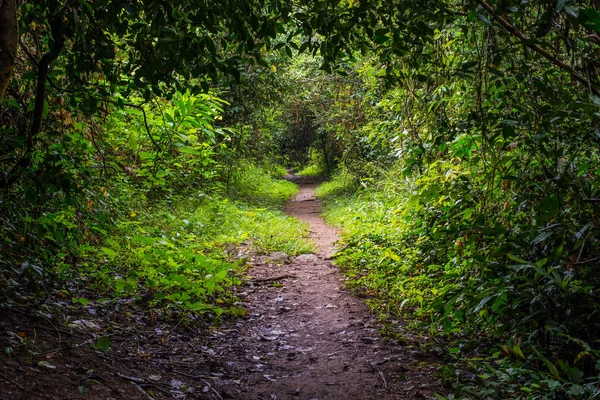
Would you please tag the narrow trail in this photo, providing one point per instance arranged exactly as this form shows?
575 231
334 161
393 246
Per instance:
306 207
305 337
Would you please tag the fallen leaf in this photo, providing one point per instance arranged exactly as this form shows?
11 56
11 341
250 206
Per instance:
46 364
176 384
84 324
102 343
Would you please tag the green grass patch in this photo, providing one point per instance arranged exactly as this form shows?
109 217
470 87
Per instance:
313 170
260 187
175 252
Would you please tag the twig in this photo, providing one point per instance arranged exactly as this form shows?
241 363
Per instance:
273 278
179 362
591 260
11 381
142 391
148 128
592 200
212 388
131 378
26 51
385 385
583 246
550 227
246 294
193 376
54 328
97 147
175 327
141 108
50 352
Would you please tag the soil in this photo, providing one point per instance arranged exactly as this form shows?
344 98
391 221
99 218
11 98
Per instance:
304 337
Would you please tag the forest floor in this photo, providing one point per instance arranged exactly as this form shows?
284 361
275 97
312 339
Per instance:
304 337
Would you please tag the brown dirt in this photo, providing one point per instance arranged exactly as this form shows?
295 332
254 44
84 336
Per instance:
52 357
308 338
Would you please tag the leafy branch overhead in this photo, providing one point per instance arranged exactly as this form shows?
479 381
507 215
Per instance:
141 145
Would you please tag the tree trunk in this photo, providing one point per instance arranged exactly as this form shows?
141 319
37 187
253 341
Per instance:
56 46
9 37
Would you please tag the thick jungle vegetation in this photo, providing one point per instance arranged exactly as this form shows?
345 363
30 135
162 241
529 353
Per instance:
140 141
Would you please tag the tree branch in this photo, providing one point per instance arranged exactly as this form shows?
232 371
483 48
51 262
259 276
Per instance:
40 99
537 48
9 36
139 107
43 70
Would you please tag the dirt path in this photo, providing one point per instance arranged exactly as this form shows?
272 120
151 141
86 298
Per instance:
307 338
306 207
304 337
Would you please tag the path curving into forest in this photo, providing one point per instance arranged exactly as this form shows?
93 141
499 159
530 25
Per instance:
306 337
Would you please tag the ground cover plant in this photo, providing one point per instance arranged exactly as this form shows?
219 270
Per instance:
140 142
156 238
175 252
417 281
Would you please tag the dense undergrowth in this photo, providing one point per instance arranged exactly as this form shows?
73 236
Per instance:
468 135
177 250
168 252
524 329
133 224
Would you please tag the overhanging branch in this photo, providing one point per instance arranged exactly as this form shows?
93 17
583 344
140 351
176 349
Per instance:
537 48
141 108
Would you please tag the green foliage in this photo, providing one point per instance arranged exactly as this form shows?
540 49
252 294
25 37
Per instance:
317 166
473 220
172 145
146 212
312 170
337 189
260 187
174 252
102 343
422 250
466 134
171 253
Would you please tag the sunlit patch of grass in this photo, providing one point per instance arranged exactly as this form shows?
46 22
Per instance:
175 250
268 229
259 187
339 195
313 170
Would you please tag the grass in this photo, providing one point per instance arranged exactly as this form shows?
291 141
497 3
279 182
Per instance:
313 170
261 187
354 207
176 252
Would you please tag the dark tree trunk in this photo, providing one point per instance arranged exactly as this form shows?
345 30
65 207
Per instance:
9 37
56 46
